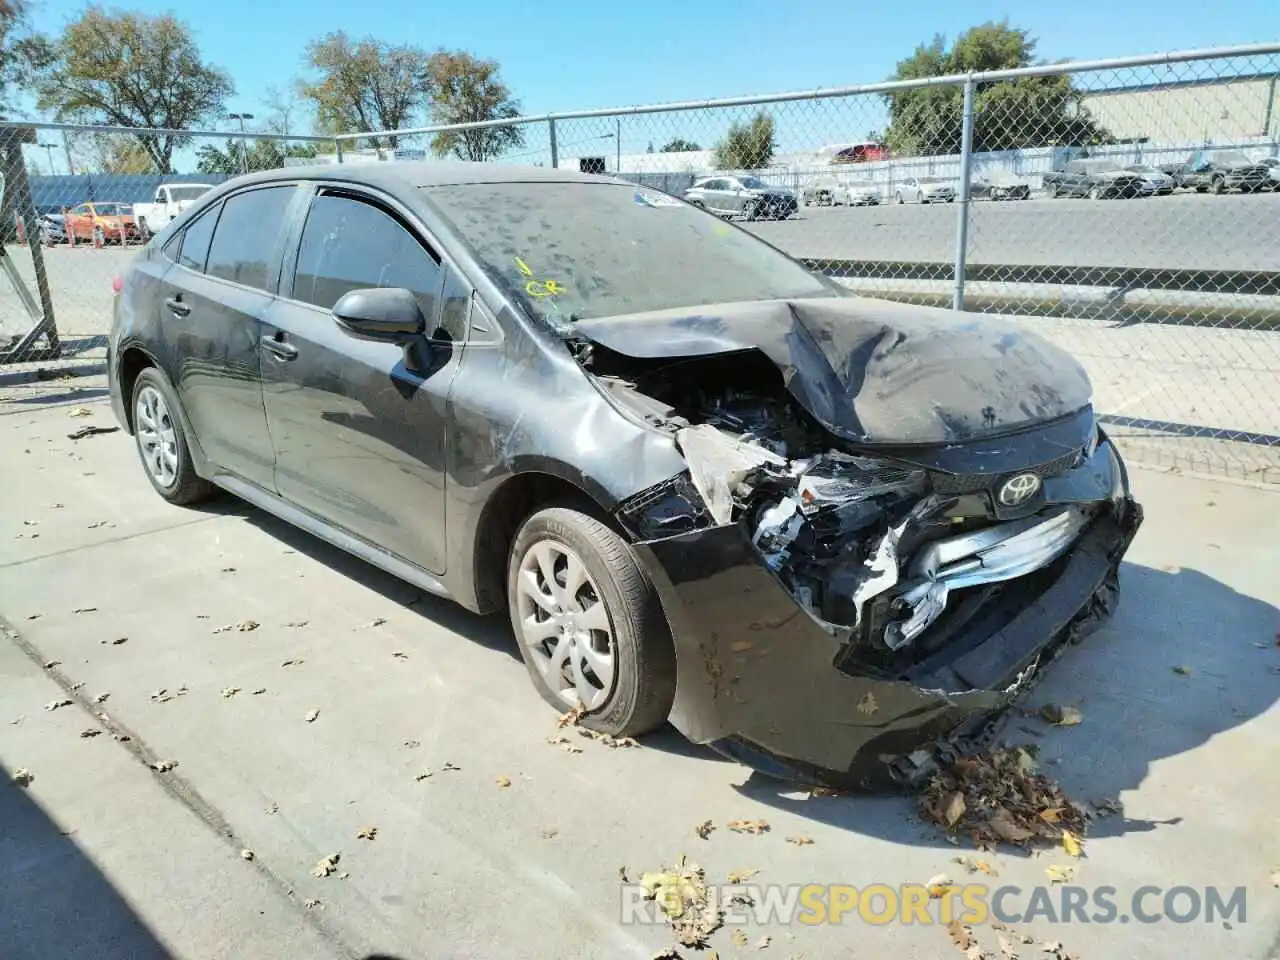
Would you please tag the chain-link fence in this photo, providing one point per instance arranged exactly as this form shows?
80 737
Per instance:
1129 210
76 203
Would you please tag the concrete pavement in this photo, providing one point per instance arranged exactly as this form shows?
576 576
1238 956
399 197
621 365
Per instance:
464 867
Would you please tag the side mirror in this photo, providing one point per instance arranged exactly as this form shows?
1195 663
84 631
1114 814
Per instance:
386 315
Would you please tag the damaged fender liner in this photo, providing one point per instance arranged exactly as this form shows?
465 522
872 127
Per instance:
758 678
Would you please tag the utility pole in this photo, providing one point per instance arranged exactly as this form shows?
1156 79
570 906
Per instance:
49 148
617 142
244 144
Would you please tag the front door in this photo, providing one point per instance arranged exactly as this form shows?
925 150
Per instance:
359 438
214 302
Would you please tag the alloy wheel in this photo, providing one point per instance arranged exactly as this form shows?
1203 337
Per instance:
157 440
565 625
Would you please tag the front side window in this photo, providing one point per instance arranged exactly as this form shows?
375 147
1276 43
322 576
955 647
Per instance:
245 239
195 240
349 244
573 251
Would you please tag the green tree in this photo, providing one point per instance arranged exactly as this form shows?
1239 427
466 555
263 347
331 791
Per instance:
1008 114
234 159
679 145
130 70
366 85
747 146
17 46
465 89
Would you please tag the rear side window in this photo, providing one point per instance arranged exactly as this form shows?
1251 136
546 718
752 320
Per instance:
194 244
348 244
245 240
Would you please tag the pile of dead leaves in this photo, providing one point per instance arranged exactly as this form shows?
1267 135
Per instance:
998 796
681 893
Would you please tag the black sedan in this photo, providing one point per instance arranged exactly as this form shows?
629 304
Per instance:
830 536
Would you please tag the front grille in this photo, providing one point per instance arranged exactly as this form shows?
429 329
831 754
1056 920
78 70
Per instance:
955 484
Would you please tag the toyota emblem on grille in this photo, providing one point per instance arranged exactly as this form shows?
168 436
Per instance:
1019 489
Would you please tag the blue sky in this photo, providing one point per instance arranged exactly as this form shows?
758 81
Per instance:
574 54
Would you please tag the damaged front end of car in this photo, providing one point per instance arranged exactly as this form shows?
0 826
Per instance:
857 613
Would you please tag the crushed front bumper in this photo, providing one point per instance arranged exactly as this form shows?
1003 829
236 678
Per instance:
762 681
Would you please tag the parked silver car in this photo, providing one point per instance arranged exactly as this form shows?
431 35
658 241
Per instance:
822 192
1154 180
924 190
856 193
748 197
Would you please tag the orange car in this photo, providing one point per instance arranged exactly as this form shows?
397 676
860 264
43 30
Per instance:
102 223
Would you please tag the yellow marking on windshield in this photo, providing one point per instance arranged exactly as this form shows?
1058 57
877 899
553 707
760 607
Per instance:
536 288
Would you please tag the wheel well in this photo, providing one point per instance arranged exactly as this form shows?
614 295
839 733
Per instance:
132 363
508 508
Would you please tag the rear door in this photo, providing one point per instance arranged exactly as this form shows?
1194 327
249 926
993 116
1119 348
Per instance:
226 274
360 438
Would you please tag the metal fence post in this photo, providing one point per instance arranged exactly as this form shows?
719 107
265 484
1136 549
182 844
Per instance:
962 202
337 145
555 154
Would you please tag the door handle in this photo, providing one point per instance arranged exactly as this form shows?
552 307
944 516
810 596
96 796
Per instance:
177 307
279 348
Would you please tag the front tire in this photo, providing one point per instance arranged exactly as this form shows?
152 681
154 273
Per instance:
589 624
162 444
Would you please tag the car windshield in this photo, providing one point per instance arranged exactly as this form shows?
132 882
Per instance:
182 194
930 180
573 251
1230 156
754 183
112 209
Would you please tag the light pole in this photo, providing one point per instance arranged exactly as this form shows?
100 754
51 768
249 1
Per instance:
49 148
244 145
617 136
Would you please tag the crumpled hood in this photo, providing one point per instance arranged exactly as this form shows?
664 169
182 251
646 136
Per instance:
874 371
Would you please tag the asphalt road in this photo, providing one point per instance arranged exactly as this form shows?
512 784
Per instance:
120 595
1185 231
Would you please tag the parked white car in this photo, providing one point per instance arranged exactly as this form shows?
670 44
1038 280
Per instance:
857 193
170 200
924 190
1273 164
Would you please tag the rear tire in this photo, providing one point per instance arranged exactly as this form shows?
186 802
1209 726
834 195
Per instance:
597 637
162 443
1219 186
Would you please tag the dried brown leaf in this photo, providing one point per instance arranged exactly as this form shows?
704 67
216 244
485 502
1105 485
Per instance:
247 854
503 781
246 626
229 692
258 691
868 705
57 704
367 833
50 664
938 885
741 876
91 732
311 903
400 655
739 938
297 623
23 777
1061 716
703 830
311 716
102 698
326 866
764 942
1275 878
423 775
291 663
163 766
803 840
570 717
1183 670
954 808
80 412
753 827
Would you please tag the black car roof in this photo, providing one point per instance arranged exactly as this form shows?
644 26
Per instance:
399 174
